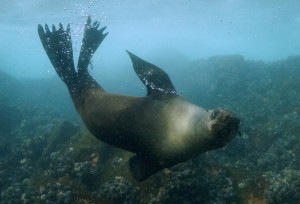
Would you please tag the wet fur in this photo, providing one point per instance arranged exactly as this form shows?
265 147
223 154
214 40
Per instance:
162 128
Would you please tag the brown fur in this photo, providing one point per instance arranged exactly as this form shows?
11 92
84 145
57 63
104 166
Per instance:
162 128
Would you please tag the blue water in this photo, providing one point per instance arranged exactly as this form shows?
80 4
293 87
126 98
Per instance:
262 30
240 55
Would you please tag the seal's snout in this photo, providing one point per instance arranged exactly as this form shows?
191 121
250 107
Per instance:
225 125
225 118
215 113
232 123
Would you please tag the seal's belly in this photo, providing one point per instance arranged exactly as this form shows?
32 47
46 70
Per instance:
186 131
151 127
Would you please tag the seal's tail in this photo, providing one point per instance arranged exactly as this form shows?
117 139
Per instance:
58 46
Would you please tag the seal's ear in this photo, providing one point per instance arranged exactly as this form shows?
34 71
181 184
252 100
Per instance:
155 79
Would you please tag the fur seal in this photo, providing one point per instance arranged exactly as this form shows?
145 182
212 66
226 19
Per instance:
162 129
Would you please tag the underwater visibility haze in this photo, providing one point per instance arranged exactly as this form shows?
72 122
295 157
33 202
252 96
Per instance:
234 54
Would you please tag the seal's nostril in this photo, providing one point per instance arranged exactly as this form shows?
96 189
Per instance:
215 113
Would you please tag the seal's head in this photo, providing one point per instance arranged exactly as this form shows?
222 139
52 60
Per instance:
223 126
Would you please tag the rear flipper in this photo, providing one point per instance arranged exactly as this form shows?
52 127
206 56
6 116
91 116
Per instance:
58 46
141 168
92 39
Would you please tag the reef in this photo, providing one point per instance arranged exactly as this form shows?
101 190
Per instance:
48 156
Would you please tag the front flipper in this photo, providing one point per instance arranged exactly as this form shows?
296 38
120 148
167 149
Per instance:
155 79
141 168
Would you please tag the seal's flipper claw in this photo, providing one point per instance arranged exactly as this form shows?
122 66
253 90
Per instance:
47 28
44 39
154 78
101 30
41 31
88 21
53 28
61 28
95 23
42 35
68 30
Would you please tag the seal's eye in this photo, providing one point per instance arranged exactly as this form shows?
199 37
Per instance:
214 114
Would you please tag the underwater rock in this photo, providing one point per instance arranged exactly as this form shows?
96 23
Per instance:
38 149
192 184
284 187
119 190
10 118
61 164
9 89
281 154
62 136
12 194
